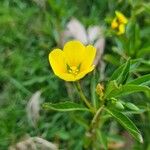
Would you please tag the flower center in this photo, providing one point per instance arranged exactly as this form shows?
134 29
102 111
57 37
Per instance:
73 69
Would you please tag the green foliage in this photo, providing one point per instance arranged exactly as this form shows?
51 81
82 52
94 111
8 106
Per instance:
30 29
103 139
64 106
143 80
120 70
126 123
131 106
122 78
127 89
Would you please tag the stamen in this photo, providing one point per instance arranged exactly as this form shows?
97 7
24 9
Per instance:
73 70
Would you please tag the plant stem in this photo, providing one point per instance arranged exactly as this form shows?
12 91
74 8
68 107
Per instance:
94 128
95 118
78 86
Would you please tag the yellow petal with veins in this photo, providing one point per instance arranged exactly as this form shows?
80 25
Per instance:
57 61
74 52
89 58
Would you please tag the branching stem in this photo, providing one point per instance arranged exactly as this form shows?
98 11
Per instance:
78 86
96 116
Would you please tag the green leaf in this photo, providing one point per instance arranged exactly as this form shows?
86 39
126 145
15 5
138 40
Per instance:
122 78
143 80
111 59
126 123
94 82
112 85
133 36
64 106
103 139
143 51
119 105
62 134
80 120
19 85
133 67
127 89
131 112
132 106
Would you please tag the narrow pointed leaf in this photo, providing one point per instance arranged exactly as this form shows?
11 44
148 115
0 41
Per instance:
111 86
132 106
122 78
64 106
143 51
133 67
143 80
126 123
128 89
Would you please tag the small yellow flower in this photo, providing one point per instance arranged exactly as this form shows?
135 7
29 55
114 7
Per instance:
73 62
121 29
121 18
119 22
114 24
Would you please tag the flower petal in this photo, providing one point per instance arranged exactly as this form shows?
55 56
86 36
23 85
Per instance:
89 58
83 73
57 61
67 77
121 17
121 29
74 52
71 77
114 23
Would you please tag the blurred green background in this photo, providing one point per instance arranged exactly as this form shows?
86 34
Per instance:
29 29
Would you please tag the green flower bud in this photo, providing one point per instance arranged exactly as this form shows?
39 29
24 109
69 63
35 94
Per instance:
131 106
119 105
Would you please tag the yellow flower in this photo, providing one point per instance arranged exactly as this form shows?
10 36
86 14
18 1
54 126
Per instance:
114 24
121 18
119 22
121 29
73 62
